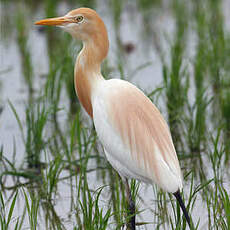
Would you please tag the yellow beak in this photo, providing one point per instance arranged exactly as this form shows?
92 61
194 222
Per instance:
54 21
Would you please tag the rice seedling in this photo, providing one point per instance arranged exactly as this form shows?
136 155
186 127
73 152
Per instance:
32 210
6 24
175 75
36 118
200 71
87 3
93 216
6 218
22 35
219 67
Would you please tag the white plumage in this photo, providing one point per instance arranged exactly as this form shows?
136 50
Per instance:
124 158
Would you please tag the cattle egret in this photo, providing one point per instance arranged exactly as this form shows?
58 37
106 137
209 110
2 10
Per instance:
136 139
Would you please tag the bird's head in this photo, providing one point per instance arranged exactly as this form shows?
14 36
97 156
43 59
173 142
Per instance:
83 24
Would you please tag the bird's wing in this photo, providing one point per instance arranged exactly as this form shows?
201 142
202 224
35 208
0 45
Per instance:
135 136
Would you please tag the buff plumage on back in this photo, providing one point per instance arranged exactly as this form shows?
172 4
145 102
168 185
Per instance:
144 131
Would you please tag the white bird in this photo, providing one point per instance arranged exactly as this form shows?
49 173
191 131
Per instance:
136 139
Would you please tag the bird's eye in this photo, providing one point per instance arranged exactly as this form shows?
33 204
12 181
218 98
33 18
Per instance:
79 19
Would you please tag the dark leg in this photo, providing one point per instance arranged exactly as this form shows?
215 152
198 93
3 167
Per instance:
131 207
181 203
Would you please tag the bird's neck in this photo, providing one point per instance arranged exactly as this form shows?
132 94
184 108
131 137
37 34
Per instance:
87 72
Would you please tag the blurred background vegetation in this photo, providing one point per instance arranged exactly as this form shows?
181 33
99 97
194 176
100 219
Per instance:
53 174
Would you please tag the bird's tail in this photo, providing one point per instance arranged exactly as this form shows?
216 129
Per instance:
181 203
